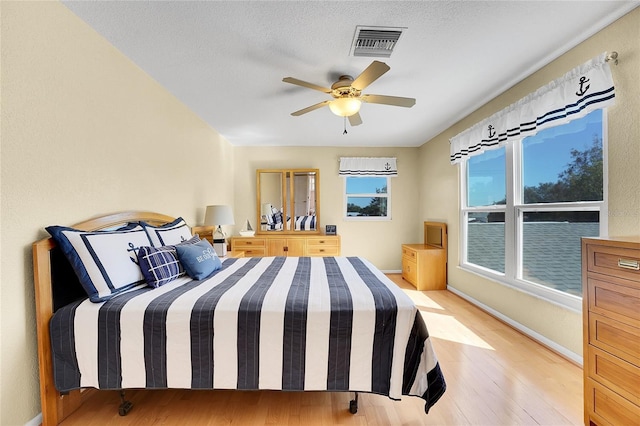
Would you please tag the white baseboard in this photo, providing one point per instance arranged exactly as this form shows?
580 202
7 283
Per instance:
523 329
36 421
393 271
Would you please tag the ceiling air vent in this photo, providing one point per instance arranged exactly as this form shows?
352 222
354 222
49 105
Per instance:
375 41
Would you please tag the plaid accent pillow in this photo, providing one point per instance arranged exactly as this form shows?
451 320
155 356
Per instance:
160 265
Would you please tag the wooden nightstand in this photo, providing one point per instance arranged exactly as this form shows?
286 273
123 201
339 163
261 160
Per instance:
425 265
204 232
233 254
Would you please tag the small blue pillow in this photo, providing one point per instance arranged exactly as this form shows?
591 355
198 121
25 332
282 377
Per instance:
199 259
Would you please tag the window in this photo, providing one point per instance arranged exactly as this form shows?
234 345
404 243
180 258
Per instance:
367 197
525 207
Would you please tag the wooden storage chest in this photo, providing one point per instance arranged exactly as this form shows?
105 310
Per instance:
611 321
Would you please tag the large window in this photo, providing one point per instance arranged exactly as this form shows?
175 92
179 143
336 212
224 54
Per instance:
367 197
526 206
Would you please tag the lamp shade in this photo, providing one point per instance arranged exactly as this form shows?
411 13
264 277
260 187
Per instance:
218 215
345 107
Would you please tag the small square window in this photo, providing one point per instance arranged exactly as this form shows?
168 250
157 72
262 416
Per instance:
367 197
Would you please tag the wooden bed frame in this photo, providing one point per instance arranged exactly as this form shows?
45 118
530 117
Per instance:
55 406
57 285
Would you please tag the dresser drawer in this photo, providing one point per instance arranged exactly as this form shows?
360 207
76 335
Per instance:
617 261
323 246
251 247
241 243
323 251
614 300
322 242
252 251
409 253
617 338
620 376
608 408
410 270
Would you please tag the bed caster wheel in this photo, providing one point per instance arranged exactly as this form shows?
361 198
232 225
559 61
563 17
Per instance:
125 407
353 406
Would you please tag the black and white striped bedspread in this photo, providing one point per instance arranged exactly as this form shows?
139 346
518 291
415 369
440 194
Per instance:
305 223
332 323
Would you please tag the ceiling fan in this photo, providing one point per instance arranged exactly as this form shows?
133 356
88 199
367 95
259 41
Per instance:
347 94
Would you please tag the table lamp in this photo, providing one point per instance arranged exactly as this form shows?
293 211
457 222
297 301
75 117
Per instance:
219 215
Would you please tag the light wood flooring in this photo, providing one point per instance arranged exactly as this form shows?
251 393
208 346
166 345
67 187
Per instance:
495 376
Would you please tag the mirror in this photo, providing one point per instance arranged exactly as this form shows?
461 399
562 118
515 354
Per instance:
288 200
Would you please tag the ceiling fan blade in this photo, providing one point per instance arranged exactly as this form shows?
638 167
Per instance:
355 119
389 100
310 108
370 74
306 84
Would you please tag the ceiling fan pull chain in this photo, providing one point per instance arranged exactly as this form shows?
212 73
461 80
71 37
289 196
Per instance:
345 126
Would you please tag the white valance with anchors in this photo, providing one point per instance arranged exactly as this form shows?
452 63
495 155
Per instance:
572 96
368 166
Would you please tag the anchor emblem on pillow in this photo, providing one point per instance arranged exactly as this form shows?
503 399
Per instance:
134 249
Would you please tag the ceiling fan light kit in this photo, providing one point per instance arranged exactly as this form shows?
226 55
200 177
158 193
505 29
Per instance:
345 107
347 94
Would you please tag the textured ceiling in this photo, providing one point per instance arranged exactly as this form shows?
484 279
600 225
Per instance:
226 59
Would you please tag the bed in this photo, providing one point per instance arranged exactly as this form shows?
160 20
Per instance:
297 324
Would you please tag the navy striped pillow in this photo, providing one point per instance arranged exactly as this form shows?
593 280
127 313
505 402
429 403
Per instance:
104 261
168 234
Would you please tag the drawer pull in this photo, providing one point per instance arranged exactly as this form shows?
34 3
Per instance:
629 264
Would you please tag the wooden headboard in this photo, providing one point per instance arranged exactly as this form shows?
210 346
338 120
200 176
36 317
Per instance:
47 265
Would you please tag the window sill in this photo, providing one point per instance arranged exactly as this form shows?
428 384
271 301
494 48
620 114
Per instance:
366 219
564 300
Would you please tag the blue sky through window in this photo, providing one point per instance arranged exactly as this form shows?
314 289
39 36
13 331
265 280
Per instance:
545 156
365 185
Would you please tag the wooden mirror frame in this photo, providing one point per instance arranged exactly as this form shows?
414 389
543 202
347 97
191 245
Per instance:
287 199
435 234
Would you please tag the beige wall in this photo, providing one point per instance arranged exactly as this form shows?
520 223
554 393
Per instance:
378 241
439 195
84 132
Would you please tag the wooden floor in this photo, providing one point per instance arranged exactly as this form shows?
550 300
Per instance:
494 374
